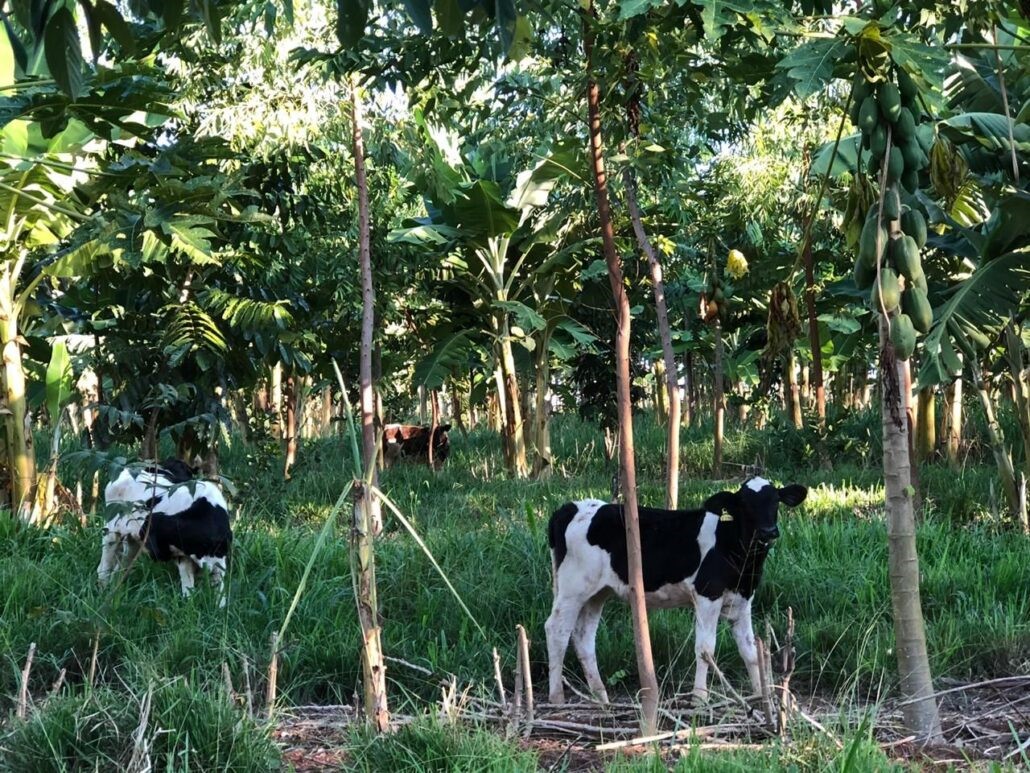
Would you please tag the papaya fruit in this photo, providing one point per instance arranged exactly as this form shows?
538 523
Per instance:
905 257
895 165
907 85
860 89
874 163
917 306
905 126
868 115
919 280
924 136
910 180
886 293
903 336
912 154
914 224
867 241
889 100
865 275
878 140
891 204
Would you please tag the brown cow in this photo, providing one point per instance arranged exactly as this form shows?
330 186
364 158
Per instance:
412 441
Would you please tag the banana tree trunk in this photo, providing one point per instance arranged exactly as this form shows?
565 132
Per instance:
275 389
290 393
518 464
688 390
21 458
541 415
791 388
627 464
813 335
719 402
920 707
926 425
1002 458
1016 354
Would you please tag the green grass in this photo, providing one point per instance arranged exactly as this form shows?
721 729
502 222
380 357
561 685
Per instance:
488 533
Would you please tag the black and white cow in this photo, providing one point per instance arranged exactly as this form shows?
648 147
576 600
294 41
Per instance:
174 517
710 559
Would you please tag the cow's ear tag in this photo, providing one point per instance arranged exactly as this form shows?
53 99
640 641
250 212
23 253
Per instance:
725 517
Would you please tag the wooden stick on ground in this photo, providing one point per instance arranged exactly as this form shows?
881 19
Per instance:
527 679
23 691
273 676
786 700
58 684
92 674
247 691
725 683
227 677
765 682
500 681
516 696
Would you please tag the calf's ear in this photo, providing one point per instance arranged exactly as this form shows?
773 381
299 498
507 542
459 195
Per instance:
792 495
723 502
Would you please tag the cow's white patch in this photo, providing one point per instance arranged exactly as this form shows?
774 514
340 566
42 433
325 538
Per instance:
706 534
757 484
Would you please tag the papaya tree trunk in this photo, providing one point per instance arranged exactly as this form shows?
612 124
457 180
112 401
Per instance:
21 458
919 706
672 439
627 465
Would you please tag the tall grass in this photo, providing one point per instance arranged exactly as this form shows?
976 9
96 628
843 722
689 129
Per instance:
488 533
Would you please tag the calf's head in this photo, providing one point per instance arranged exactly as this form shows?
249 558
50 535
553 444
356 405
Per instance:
756 506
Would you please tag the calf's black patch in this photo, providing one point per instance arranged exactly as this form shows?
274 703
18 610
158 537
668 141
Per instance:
560 520
200 530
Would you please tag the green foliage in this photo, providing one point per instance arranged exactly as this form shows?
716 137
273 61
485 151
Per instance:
181 726
431 745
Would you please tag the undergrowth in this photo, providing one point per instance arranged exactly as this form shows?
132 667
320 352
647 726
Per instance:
489 534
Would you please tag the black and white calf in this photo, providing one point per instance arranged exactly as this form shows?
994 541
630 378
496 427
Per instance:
710 559
174 517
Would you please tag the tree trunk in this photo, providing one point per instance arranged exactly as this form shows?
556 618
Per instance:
290 431
1016 354
457 415
366 382
790 388
926 425
920 708
688 390
813 335
1002 458
627 465
21 458
518 465
660 405
275 387
718 402
672 439
542 459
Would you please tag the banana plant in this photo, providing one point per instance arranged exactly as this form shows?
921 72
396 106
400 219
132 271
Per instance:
505 258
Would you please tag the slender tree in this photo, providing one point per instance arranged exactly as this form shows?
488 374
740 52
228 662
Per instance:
627 464
371 521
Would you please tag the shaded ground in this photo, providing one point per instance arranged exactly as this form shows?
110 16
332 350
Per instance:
982 722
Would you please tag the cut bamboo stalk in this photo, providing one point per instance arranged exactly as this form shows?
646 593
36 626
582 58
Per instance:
23 692
500 681
520 632
273 676
227 677
92 673
58 684
247 689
